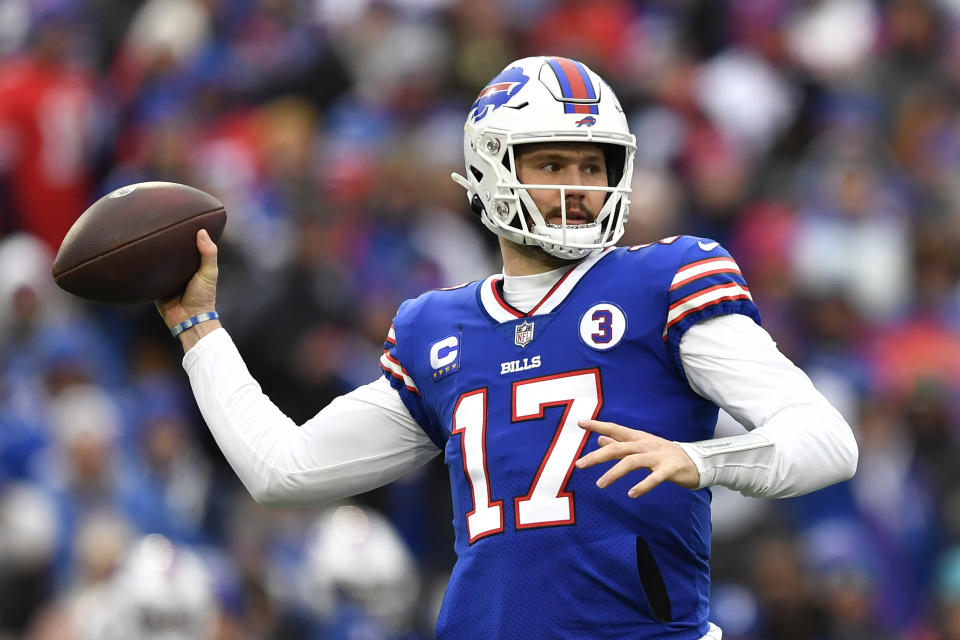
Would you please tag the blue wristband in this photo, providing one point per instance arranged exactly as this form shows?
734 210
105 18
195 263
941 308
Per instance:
189 322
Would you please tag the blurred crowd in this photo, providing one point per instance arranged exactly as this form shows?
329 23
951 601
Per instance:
818 140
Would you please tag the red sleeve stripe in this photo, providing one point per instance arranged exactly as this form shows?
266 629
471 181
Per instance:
702 268
393 367
391 336
703 299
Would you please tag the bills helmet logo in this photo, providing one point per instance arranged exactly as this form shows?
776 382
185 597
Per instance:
589 121
498 92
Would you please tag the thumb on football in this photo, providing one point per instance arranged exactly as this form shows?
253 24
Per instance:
200 294
207 248
205 280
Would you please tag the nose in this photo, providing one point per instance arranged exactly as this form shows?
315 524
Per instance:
573 177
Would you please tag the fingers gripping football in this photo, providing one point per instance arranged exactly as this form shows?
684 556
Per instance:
636 450
200 294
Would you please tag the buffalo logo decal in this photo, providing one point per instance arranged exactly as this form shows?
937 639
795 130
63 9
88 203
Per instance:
498 92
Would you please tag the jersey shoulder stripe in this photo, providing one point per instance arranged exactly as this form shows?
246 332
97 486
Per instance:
706 282
704 298
405 348
703 268
393 368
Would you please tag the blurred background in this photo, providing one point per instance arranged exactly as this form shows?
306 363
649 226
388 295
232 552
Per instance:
818 140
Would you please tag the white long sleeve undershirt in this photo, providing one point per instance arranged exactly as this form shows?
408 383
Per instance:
798 442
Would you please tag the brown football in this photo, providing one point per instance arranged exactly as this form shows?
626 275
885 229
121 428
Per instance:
138 243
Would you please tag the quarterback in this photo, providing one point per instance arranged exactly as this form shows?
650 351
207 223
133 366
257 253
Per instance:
581 364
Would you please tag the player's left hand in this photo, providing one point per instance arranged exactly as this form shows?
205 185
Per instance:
635 449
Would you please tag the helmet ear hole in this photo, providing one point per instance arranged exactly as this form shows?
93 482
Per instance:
476 173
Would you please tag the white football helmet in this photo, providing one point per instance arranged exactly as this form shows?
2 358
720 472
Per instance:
538 100
161 592
354 553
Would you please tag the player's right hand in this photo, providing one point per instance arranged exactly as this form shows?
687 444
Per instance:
634 450
200 294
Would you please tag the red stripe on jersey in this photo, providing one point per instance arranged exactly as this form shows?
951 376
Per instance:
736 296
739 296
550 293
394 361
398 376
697 263
707 290
697 276
501 302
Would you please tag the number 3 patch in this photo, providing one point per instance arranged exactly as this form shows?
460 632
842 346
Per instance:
602 326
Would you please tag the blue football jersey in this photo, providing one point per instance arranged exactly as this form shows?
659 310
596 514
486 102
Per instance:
541 551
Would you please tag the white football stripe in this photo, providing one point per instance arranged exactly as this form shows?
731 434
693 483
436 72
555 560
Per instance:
692 271
392 335
397 371
720 293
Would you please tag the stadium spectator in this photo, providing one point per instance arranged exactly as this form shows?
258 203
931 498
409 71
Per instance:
276 108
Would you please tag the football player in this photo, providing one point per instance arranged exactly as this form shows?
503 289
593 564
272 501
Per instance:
531 381
358 577
162 591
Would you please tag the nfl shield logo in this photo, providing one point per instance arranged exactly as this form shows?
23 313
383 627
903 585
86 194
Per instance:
524 334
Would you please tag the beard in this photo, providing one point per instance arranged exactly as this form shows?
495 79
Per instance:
537 255
584 213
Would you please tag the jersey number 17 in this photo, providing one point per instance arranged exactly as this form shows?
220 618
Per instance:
548 503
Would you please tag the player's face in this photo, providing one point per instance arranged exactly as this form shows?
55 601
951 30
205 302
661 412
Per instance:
564 163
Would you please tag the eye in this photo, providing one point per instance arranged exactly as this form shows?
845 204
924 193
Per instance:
593 169
550 167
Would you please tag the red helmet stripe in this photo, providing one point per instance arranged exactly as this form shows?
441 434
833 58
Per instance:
574 84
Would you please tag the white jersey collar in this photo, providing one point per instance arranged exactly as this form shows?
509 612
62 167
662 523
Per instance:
554 286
